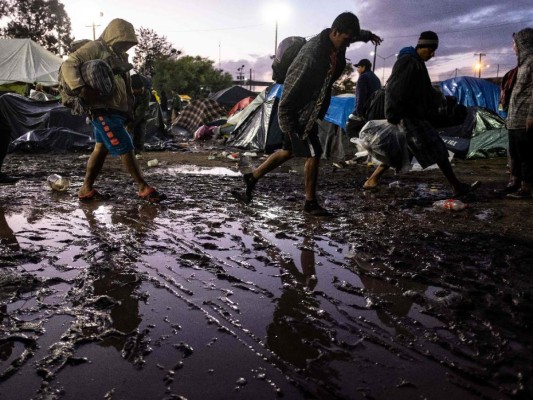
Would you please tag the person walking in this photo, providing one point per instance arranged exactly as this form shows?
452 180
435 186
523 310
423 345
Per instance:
411 101
305 98
108 113
520 119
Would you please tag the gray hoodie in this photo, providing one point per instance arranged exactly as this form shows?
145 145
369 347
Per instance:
521 103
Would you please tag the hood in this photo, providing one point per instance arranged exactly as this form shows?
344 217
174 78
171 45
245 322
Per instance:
524 43
119 31
407 51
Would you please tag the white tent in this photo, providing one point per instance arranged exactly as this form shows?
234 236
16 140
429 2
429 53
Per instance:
23 60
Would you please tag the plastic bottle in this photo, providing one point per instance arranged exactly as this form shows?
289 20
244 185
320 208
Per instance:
57 182
450 204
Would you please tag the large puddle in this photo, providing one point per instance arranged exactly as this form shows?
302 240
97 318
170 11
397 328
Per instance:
205 298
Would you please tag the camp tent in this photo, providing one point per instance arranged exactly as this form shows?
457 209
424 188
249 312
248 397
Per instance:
481 135
22 61
471 91
258 128
231 96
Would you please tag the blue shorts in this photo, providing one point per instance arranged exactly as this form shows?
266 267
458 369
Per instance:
109 130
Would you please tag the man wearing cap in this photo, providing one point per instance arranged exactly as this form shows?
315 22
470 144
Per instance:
367 84
305 98
411 101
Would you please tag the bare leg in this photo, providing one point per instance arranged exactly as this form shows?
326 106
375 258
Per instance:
310 177
373 181
94 166
130 163
271 163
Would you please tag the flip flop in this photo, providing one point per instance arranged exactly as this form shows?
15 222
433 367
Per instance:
94 195
152 195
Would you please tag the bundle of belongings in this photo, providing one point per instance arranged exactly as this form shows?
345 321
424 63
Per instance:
396 144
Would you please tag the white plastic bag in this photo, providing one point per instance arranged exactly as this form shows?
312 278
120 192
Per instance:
386 143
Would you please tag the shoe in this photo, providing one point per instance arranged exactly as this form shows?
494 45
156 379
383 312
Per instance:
7 180
508 189
467 189
242 197
311 207
250 182
520 194
152 195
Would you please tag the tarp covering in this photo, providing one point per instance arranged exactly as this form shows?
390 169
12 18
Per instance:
471 91
231 96
23 60
482 134
49 126
200 112
259 129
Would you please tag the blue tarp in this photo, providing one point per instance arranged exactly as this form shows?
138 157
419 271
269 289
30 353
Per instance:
471 91
339 109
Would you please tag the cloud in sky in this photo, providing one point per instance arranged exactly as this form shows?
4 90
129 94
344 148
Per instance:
237 32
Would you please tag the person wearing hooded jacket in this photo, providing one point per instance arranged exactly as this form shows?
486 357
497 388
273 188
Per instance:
108 113
520 119
411 101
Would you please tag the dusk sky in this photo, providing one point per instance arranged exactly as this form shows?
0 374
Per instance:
233 33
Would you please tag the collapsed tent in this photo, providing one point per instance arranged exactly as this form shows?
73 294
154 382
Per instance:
471 91
481 135
231 96
200 112
50 127
22 61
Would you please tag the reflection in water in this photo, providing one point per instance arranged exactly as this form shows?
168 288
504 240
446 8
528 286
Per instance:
120 286
7 237
298 333
117 286
395 304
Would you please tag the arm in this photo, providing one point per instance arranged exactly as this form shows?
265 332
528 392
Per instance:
529 117
397 94
366 36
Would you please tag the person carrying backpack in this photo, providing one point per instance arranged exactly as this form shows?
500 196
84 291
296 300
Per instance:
305 98
110 111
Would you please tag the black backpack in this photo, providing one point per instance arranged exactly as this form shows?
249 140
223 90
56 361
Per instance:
286 52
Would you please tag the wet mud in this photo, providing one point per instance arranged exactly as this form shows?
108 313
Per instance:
206 298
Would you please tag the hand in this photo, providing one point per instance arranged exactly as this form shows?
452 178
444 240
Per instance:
376 40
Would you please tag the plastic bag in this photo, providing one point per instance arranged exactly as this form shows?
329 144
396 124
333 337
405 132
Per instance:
386 143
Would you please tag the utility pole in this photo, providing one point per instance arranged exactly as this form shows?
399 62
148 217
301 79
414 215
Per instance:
479 64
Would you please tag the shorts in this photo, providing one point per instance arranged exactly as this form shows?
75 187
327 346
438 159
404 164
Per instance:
109 129
424 142
309 147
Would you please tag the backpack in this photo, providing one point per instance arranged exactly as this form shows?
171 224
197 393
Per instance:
286 52
96 74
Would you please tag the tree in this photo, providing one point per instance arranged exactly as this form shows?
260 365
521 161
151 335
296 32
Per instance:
194 76
43 21
344 84
150 48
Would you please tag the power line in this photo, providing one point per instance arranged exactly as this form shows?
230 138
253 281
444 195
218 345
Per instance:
465 30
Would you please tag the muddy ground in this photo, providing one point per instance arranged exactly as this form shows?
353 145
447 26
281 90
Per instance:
205 298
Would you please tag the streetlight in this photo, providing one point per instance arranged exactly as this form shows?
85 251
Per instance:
240 74
277 12
100 15
375 54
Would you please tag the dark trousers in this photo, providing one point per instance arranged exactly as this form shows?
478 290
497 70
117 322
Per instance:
521 153
5 139
138 136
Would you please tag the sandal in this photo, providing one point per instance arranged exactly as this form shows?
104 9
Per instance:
152 195
94 195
